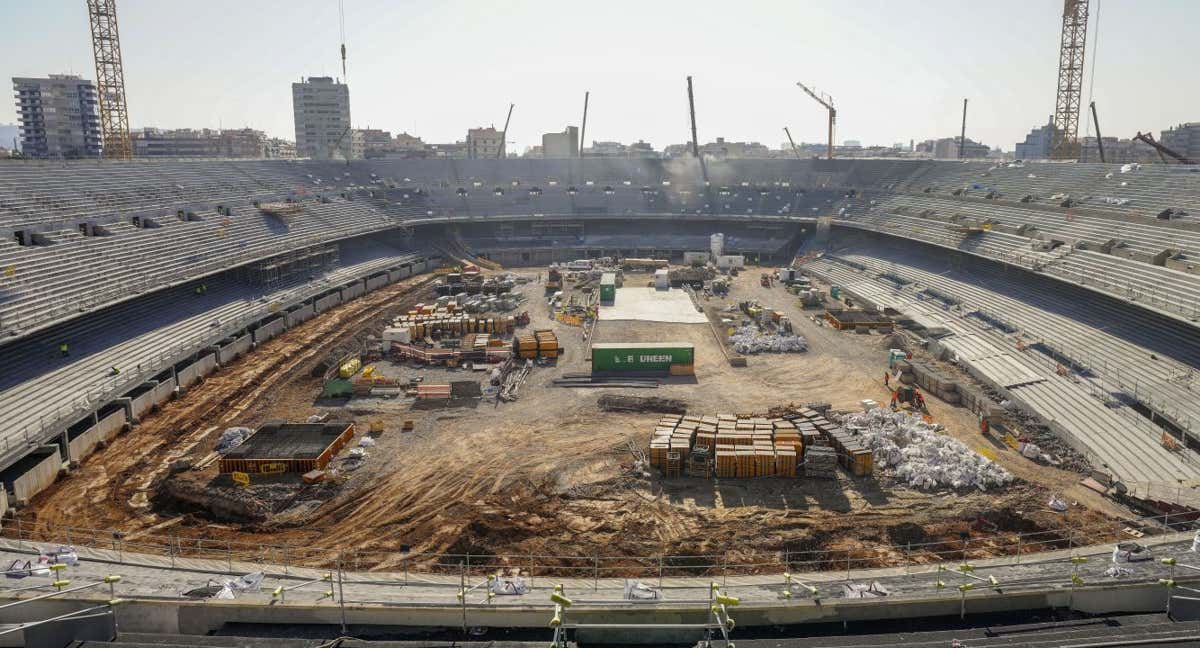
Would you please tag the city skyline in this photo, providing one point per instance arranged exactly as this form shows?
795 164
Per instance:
905 81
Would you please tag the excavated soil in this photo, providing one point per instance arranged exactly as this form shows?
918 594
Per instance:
550 474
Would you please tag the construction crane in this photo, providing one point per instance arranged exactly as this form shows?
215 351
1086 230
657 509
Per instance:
110 79
792 142
583 130
1065 143
1099 139
962 139
827 101
695 140
500 153
342 28
1162 150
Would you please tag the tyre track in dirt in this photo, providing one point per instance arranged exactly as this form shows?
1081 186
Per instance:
120 471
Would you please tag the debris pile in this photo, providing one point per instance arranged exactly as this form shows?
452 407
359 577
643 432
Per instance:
922 457
748 339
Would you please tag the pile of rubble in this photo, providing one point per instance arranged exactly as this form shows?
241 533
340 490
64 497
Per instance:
748 339
920 456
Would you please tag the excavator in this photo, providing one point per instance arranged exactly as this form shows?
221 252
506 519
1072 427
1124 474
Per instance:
1163 151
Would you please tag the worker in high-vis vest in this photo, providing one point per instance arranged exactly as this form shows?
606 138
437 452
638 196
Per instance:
63 350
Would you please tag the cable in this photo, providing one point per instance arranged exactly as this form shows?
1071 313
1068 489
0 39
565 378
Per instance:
1092 75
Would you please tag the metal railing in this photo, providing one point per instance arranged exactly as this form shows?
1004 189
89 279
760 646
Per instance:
651 568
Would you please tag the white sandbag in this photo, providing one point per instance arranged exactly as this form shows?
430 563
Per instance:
921 457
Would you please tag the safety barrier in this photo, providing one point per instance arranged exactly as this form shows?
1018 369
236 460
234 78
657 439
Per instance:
1021 547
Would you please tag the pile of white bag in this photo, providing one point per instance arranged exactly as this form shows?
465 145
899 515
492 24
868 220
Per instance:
920 456
748 339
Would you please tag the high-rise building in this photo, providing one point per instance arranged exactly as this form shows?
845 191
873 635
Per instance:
58 117
483 143
561 145
372 142
1037 143
321 106
1184 139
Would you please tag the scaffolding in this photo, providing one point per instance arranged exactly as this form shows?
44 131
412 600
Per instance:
277 270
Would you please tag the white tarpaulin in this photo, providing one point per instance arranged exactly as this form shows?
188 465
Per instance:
917 454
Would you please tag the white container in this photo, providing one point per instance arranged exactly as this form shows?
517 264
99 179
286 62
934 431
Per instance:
399 334
716 245
662 279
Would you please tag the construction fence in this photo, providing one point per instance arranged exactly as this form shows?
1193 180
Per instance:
868 555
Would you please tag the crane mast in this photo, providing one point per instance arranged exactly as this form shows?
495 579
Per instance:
502 152
1065 142
792 142
110 79
827 102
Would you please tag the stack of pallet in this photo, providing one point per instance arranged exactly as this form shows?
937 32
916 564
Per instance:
741 447
525 345
820 462
674 467
660 441
427 320
547 343
425 391
852 454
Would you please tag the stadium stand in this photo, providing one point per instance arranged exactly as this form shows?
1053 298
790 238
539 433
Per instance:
88 245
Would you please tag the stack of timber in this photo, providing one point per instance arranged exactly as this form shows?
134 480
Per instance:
729 446
429 321
433 392
542 343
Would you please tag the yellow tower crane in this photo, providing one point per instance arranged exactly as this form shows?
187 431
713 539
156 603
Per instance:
826 101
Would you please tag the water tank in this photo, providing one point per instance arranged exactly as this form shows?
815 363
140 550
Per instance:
716 244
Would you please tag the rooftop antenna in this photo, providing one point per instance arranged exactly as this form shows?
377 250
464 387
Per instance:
583 130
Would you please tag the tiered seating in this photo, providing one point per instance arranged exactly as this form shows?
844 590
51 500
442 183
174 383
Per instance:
140 337
1116 346
79 273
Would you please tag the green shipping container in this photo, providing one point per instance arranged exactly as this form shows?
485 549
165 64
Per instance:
608 287
641 356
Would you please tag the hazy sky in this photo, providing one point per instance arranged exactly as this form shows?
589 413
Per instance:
898 69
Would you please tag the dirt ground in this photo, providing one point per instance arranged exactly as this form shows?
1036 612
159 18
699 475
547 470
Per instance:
549 474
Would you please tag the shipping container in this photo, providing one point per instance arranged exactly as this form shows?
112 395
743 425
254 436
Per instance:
641 356
608 287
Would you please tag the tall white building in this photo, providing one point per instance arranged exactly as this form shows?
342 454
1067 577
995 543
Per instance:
322 112
58 117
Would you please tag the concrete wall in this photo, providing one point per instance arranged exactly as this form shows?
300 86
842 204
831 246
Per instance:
227 352
302 314
268 330
374 283
355 289
140 404
328 301
193 372
37 478
103 431
398 273
164 390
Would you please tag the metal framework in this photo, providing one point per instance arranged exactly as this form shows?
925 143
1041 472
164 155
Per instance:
110 79
1065 143
826 101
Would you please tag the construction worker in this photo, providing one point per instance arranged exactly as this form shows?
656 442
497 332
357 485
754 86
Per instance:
63 351
919 401
984 426
895 395
114 370
886 378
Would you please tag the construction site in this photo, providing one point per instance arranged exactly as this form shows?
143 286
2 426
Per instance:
447 442
357 386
